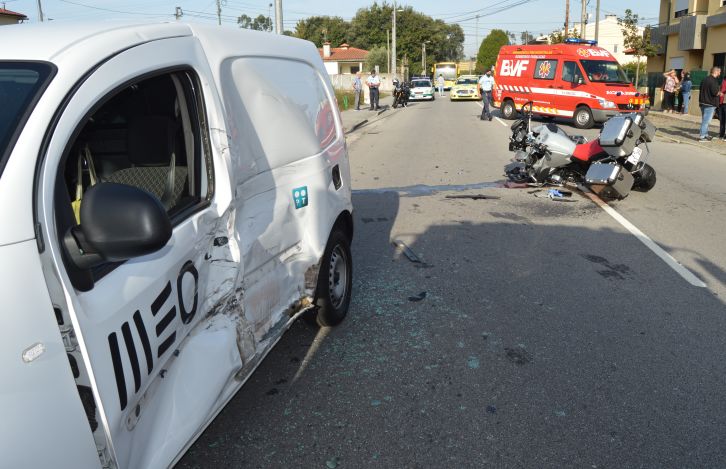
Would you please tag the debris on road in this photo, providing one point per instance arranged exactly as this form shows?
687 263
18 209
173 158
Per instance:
418 297
515 185
407 251
473 197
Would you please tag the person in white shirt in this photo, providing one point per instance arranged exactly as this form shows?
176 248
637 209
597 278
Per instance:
440 82
486 83
374 82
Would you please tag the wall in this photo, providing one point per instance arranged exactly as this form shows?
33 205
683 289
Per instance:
716 44
345 82
331 67
6 20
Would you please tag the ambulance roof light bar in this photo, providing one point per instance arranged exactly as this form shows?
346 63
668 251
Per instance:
575 40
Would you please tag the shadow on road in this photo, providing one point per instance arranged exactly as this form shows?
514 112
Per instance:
511 344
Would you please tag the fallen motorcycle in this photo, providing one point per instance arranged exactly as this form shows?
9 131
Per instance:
401 93
611 165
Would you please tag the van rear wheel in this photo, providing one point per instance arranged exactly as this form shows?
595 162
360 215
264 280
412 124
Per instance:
583 117
508 110
335 281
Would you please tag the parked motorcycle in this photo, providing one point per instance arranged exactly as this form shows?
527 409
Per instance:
401 93
611 165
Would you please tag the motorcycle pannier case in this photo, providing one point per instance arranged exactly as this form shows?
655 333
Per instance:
619 135
610 181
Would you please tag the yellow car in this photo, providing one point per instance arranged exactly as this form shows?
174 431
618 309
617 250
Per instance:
466 87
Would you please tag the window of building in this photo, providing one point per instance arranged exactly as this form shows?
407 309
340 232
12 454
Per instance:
615 48
680 13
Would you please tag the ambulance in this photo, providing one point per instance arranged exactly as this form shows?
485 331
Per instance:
575 80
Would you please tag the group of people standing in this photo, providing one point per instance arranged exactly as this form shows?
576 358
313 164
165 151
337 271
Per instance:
710 99
374 83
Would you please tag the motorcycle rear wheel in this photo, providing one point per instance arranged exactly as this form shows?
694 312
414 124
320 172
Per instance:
644 178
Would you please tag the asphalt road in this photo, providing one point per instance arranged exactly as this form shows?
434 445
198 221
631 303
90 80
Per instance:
532 333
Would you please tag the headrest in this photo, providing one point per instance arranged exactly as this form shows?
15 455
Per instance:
151 140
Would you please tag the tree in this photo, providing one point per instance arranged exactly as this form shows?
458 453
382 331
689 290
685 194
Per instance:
444 42
558 37
635 40
318 29
377 56
489 49
261 23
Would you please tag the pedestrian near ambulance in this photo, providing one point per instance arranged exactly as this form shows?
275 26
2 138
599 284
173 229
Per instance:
722 111
374 82
686 87
486 83
440 83
669 90
357 88
709 99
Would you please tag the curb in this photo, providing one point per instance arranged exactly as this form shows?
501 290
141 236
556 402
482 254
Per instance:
686 142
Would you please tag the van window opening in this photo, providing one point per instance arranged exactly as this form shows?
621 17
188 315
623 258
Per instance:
148 136
545 69
604 71
20 85
421 84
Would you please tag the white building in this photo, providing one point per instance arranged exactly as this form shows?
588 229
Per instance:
343 60
610 37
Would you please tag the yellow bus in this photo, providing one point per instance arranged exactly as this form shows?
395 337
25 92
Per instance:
449 70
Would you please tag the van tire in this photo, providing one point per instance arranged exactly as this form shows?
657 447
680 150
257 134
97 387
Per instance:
583 118
335 281
509 112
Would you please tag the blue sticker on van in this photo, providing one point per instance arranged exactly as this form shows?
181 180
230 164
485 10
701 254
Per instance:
300 196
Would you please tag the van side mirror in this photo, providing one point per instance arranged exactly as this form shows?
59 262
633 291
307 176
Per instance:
118 222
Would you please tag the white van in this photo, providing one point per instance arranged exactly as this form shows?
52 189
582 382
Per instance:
173 196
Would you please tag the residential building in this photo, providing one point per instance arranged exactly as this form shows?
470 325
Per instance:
610 37
343 60
691 35
11 17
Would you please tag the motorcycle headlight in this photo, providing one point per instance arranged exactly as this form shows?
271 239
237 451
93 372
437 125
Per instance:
606 104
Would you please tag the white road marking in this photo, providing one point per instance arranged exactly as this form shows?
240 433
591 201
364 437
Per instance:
687 275
498 119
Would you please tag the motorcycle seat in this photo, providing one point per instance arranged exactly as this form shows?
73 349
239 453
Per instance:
588 151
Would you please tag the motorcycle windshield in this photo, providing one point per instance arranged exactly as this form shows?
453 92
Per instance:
21 84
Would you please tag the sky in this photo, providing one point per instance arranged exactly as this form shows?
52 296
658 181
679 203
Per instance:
536 16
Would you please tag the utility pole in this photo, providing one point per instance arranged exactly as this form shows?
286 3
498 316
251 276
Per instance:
597 21
269 15
219 12
279 29
388 51
567 17
583 16
40 12
393 41
477 35
178 13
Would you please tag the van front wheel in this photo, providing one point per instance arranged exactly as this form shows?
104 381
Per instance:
583 118
335 281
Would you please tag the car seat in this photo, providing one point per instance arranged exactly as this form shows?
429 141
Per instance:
152 154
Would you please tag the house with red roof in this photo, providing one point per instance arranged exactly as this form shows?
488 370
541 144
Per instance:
11 17
343 60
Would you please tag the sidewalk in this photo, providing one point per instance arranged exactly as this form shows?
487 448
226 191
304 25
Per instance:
353 119
685 129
